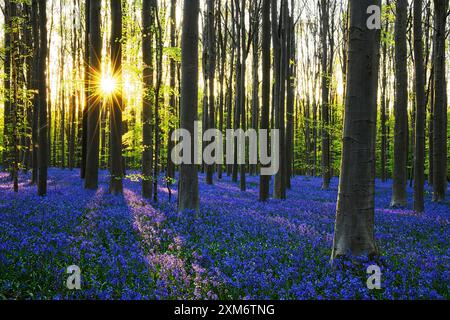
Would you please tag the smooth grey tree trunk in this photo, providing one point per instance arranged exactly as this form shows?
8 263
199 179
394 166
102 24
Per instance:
419 156
188 198
399 196
35 86
211 51
148 17
326 169
354 229
115 120
266 88
173 100
93 115
84 130
43 139
440 106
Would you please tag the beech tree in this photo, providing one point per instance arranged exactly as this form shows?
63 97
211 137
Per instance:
95 103
188 198
354 229
265 106
115 186
419 156
440 103
399 195
148 16
42 84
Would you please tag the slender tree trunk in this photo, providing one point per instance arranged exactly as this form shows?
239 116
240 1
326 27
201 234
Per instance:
279 90
384 107
326 170
440 106
419 156
188 198
242 95
266 88
159 101
84 136
7 87
73 107
93 134
354 230
115 120
399 196
15 66
63 97
43 138
290 99
211 35
172 103
35 86
148 16
255 73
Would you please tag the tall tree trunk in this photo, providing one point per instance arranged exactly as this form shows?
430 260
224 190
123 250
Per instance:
63 97
354 230
211 35
35 87
115 114
188 198
384 107
148 16
43 138
73 106
159 101
440 106
326 170
266 88
242 95
279 47
419 156
399 196
172 103
87 80
15 66
256 23
290 65
7 87
93 116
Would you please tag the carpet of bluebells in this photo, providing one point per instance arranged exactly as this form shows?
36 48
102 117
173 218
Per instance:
234 248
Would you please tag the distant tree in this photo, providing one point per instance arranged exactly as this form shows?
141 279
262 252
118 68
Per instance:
95 103
354 229
440 103
116 185
399 196
188 198
42 83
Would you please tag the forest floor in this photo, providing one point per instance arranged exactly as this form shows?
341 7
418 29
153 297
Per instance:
235 248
